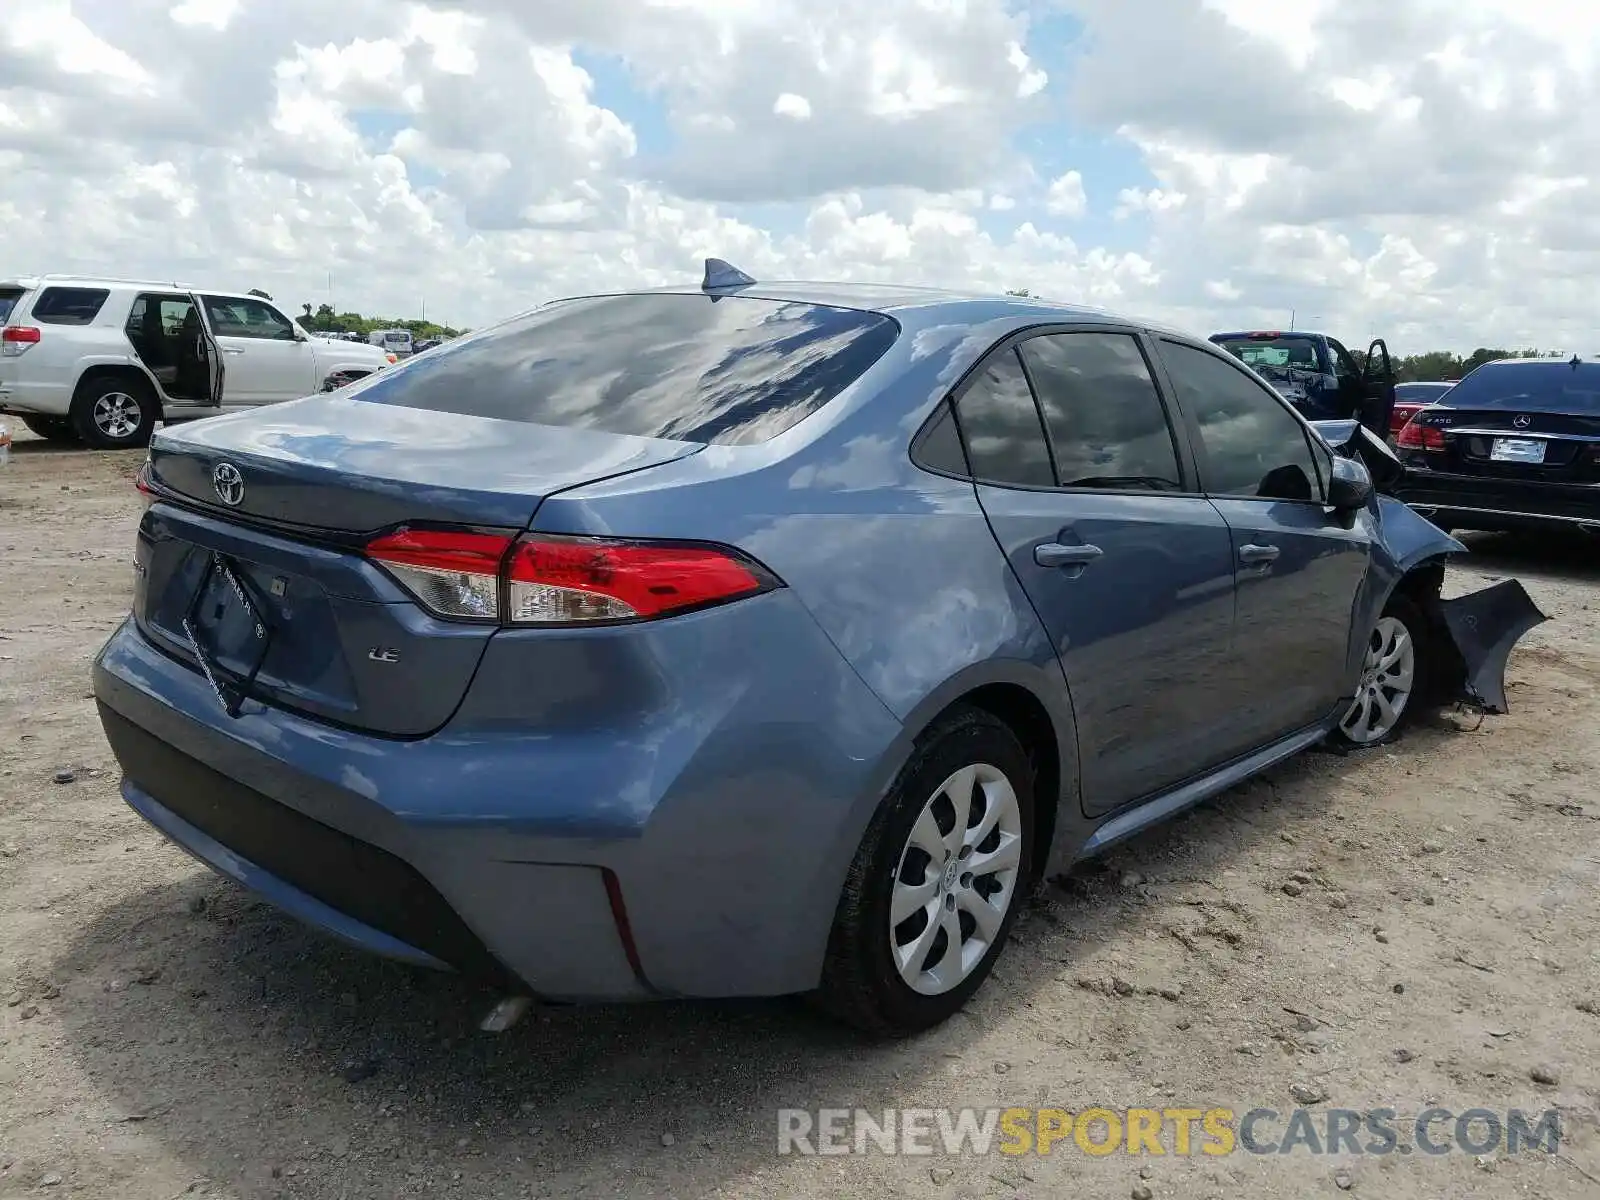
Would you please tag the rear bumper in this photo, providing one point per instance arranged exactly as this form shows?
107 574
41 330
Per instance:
1473 502
35 399
721 837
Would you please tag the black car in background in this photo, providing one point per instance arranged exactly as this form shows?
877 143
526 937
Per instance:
1514 445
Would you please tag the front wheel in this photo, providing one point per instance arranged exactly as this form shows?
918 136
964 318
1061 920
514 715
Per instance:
1394 674
937 882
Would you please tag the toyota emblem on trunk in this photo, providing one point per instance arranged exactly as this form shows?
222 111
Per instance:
229 483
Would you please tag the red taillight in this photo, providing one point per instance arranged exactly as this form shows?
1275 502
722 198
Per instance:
454 573
1402 413
141 480
14 339
558 580
1417 436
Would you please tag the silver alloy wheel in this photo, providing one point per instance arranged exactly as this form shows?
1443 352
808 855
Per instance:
956 879
117 415
1387 677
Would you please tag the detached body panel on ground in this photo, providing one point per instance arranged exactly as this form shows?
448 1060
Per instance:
389 663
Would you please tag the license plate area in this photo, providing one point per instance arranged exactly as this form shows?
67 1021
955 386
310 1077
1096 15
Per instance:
1518 450
227 633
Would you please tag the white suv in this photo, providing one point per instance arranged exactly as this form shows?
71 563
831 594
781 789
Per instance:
102 360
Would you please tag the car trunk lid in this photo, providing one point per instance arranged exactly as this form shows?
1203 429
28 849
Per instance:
1535 446
250 563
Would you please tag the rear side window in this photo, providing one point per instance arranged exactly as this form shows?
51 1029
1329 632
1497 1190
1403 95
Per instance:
68 306
1000 423
1106 421
939 449
1555 386
729 370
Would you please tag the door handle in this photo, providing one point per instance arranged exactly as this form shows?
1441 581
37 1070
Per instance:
231 350
1054 554
1258 555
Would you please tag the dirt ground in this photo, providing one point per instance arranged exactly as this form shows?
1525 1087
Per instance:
164 1035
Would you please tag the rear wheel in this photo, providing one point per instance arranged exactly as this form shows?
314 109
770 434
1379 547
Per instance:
55 429
1395 674
937 882
115 413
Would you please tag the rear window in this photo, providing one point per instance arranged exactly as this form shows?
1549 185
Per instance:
8 301
68 306
1555 386
1421 393
728 370
1286 352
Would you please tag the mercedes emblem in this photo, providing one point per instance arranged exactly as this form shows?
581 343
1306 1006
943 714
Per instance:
228 483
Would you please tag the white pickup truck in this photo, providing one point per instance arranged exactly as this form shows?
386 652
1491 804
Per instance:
102 360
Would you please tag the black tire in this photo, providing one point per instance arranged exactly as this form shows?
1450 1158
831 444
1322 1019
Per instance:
341 379
53 429
1424 635
89 412
861 984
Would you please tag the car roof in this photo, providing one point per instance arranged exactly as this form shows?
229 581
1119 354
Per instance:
921 307
114 283
1269 333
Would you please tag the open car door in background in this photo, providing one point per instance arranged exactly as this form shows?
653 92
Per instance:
210 356
1377 382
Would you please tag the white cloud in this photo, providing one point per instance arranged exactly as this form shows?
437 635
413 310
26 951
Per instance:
1066 197
796 108
1413 168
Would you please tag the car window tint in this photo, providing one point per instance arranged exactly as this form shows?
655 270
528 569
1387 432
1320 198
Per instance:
1106 422
939 449
234 317
729 370
1001 427
1344 363
1253 445
1549 385
68 306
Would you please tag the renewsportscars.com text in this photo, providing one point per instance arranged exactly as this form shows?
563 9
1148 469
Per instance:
1162 1131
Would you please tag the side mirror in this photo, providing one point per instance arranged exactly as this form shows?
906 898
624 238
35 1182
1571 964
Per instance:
1351 485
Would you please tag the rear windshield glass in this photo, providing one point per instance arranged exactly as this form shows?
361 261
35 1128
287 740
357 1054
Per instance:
1554 386
68 306
1291 352
1421 391
8 301
730 370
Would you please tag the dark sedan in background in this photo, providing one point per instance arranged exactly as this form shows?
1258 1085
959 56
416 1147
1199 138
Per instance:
1514 445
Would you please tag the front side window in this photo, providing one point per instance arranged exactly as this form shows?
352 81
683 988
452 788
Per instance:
1001 427
1252 444
232 316
68 305
1344 363
1106 422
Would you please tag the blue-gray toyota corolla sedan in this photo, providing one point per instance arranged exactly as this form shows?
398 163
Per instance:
744 639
